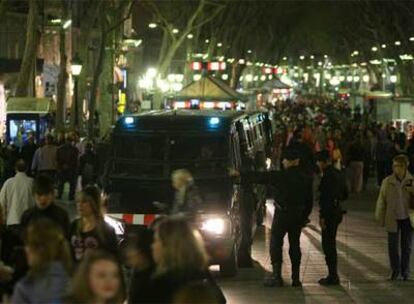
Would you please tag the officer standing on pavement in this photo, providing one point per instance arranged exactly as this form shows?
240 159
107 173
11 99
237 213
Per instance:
293 204
333 190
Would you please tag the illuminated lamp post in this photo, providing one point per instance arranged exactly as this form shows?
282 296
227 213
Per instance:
76 69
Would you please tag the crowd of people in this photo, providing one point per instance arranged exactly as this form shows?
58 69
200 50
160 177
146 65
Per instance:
56 261
321 151
64 158
354 141
339 149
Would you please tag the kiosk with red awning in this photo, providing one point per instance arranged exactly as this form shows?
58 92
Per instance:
207 93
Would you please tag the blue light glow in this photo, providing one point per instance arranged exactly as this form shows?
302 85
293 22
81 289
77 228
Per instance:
214 121
129 120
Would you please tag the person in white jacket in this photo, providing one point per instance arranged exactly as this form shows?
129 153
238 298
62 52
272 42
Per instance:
16 195
394 212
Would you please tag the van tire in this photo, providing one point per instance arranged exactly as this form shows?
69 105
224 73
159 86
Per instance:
229 267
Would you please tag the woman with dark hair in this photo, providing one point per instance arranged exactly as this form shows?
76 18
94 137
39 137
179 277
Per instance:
48 256
98 279
90 231
181 259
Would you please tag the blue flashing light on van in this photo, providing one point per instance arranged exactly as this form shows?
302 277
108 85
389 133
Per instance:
214 122
129 121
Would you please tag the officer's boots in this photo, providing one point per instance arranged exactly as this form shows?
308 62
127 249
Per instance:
295 276
332 278
275 280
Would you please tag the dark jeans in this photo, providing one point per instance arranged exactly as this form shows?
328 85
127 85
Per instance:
404 233
246 223
329 245
384 168
67 177
51 174
283 223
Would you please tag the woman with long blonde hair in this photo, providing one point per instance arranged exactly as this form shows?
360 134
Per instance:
180 258
90 231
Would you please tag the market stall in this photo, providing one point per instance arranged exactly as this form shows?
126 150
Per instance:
273 91
207 93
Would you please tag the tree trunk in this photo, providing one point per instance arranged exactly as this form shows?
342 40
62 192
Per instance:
407 78
63 77
95 84
30 50
236 72
106 104
3 10
82 49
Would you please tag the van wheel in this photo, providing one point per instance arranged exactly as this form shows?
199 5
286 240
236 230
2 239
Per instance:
229 267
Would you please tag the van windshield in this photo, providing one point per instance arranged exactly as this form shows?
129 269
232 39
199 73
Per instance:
140 147
191 148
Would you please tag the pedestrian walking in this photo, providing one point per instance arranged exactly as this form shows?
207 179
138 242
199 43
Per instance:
28 152
44 194
90 231
98 279
88 167
383 156
10 156
393 212
16 195
44 159
48 256
355 159
187 198
333 191
67 164
181 259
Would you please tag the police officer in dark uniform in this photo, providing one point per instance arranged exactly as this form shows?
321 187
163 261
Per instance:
333 190
293 197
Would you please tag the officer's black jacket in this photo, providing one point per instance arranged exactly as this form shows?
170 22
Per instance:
292 187
332 190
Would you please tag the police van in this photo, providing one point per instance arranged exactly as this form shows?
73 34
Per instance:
146 148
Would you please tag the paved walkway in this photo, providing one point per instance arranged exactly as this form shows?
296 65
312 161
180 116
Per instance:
363 265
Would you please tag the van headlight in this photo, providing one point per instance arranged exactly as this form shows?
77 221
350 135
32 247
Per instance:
215 225
116 224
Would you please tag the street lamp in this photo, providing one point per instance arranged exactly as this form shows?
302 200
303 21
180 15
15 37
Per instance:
175 31
219 44
374 49
76 69
190 36
384 46
152 25
397 43
67 24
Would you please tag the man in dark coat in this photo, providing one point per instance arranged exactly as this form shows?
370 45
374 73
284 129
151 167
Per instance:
67 163
332 191
44 193
28 152
293 204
